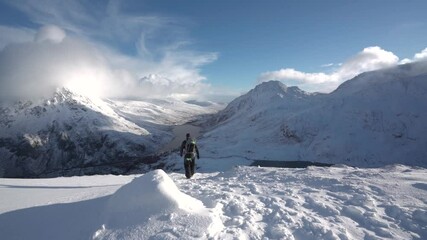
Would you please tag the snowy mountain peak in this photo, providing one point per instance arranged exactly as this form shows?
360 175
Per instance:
269 93
267 96
63 95
276 88
270 86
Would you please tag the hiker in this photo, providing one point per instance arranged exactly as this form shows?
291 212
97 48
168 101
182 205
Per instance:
190 151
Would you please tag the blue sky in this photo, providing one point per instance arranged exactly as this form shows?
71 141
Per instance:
215 49
256 36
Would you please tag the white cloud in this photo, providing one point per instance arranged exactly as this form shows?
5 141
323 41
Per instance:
100 51
368 59
292 74
70 15
9 35
421 56
36 69
327 65
50 33
371 58
405 61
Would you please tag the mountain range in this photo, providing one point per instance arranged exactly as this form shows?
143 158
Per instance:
374 119
71 134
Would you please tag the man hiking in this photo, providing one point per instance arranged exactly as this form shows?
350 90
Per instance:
190 151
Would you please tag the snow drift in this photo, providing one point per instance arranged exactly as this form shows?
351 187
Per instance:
148 205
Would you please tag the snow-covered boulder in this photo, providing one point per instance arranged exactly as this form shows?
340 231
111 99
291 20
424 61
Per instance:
153 206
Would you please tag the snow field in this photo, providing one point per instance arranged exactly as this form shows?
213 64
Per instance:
25 193
241 203
316 203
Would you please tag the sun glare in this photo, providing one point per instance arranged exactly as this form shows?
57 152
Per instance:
86 81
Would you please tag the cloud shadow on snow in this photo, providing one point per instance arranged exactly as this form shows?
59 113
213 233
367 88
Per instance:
78 220
55 187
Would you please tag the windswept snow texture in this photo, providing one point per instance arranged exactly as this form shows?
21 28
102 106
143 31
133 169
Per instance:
242 203
375 119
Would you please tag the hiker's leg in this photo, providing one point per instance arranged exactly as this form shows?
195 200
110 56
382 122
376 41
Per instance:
193 164
187 167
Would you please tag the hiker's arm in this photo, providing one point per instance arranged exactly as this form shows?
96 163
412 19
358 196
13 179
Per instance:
182 148
197 151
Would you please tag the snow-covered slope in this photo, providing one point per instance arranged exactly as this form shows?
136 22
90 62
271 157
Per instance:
374 119
70 134
241 203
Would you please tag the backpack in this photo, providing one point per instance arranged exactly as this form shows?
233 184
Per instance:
190 146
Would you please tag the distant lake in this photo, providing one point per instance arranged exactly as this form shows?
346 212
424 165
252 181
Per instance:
288 164
180 131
